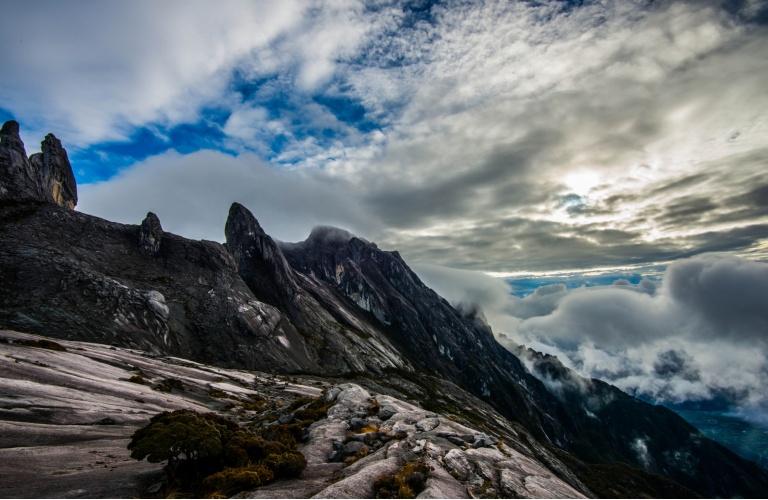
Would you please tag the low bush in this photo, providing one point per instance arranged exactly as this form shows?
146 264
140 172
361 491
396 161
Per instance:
407 482
217 393
210 455
231 481
287 464
137 379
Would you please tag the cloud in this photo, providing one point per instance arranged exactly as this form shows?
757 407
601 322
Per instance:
495 136
192 193
93 71
701 336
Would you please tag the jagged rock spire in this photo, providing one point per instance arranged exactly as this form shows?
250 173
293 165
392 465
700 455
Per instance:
18 180
150 235
56 180
46 176
260 261
9 136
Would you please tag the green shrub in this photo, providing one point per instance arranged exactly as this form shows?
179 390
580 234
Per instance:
287 464
217 393
181 435
137 379
209 454
407 482
229 482
256 403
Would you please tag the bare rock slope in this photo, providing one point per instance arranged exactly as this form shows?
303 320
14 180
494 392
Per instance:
67 410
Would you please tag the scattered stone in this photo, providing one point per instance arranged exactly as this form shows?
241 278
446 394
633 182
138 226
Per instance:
483 441
355 424
387 411
457 464
354 447
427 424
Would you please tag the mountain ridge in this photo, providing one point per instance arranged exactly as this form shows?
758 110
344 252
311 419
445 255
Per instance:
333 305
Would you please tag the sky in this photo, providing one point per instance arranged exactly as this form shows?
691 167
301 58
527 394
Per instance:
511 151
504 137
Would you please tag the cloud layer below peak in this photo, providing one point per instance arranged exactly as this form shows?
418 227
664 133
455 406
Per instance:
700 336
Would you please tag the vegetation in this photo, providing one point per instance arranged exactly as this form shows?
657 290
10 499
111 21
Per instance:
231 481
137 379
619 480
169 385
373 407
41 344
209 455
407 482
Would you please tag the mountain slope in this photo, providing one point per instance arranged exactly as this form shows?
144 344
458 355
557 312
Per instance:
68 408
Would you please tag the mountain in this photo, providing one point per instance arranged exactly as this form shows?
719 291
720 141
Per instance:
333 305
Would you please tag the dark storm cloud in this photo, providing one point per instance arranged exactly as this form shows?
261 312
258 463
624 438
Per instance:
493 183
686 210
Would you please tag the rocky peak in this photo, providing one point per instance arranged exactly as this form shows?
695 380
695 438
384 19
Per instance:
150 235
241 224
9 136
260 261
46 176
56 182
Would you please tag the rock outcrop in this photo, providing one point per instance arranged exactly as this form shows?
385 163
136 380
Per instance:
363 442
150 235
46 176
56 182
259 260
17 179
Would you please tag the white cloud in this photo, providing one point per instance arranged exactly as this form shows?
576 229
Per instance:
703 334
93 71
192 193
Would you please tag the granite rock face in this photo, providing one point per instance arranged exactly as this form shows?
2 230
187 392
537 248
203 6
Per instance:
56 182
343 336
435 335
46 176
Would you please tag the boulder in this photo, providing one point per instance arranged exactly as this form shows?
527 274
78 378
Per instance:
457 464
